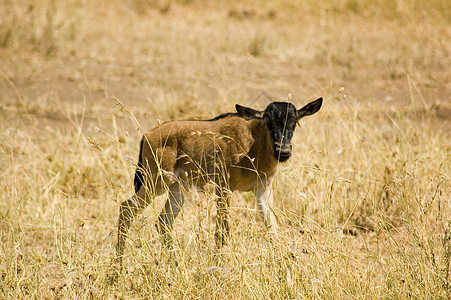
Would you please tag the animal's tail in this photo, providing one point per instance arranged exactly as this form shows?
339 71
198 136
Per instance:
139 178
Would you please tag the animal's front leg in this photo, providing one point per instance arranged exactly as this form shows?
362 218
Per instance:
170 211
222 218
265 197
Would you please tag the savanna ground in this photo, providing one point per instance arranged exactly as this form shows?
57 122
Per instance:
363 205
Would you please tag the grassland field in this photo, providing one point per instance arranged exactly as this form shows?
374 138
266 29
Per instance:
363 205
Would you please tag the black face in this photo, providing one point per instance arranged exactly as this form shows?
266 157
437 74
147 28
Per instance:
281 119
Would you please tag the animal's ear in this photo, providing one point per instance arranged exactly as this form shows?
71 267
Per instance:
310 108
248 113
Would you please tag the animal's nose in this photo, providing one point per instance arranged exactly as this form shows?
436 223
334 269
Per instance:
282 149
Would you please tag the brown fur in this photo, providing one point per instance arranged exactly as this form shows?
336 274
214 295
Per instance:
232 151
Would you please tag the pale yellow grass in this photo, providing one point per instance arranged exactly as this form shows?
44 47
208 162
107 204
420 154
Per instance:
363 205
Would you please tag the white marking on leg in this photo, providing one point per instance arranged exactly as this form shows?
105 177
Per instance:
265 205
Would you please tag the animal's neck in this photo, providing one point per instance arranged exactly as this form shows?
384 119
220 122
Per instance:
264 148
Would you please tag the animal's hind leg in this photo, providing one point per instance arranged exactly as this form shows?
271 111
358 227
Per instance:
128 211
171 210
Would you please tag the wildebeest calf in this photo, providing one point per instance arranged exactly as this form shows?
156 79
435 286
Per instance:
235 151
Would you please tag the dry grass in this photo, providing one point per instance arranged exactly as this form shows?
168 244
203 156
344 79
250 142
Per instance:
363 205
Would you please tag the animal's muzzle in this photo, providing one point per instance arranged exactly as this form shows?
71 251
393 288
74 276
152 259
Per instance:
282 151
